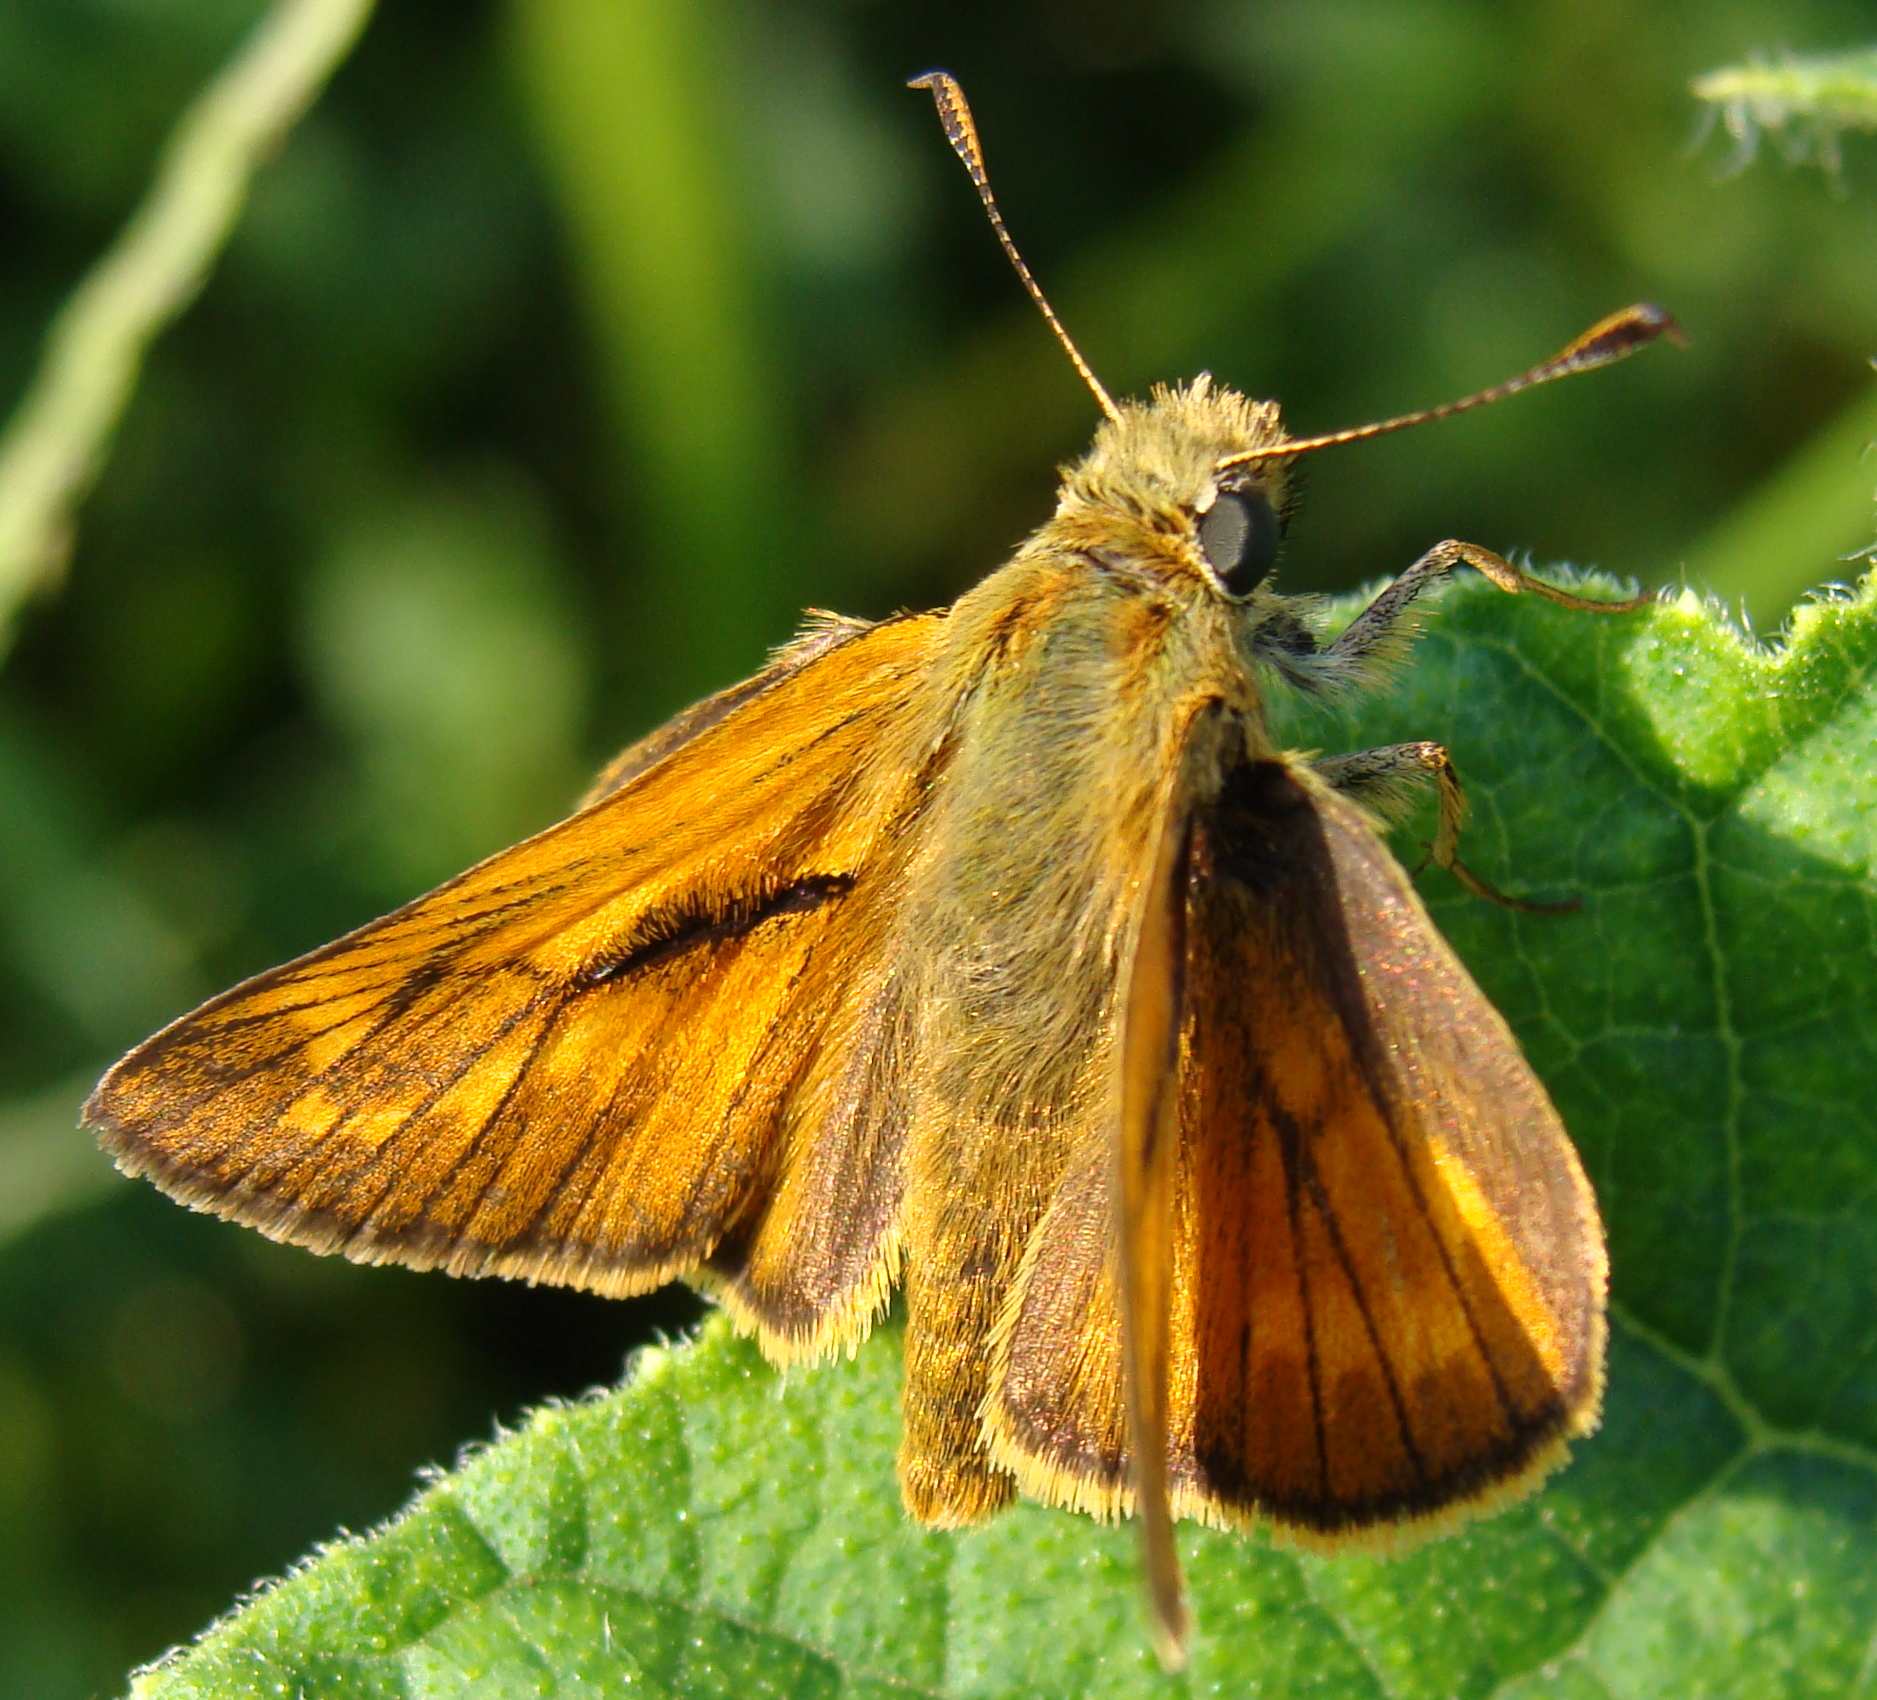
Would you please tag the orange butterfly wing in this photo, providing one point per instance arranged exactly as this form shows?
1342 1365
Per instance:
1387 1282
647 1042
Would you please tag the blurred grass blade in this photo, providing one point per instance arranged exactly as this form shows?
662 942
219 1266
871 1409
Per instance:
636 136
1812 510
1807 103
52 449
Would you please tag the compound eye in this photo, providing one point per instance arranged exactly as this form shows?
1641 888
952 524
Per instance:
1239 534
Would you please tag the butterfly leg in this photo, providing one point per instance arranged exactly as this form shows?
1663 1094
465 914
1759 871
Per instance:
1387 779
1377 635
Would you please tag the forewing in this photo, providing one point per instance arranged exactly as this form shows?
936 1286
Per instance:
1395 1271
1388 1274
1142 1184
648 1038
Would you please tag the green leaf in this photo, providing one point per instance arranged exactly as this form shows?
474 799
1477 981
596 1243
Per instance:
1707 1024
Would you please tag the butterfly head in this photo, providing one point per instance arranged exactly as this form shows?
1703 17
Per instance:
1195 483
1155 492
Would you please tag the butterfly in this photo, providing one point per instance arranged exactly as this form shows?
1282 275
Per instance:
999 957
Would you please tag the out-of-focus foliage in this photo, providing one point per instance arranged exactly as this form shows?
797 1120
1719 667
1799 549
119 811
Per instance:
565 349
1804 102
60 434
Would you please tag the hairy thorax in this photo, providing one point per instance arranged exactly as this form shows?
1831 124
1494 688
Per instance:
1071 676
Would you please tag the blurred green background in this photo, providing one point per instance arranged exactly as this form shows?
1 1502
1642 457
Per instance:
569 348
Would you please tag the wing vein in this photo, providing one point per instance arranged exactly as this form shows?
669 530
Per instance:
1319 1196
1291 1158
184 1108
439 1089
1412 1181
473 1142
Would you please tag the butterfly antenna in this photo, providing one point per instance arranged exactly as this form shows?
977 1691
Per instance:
955 115
1608 340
